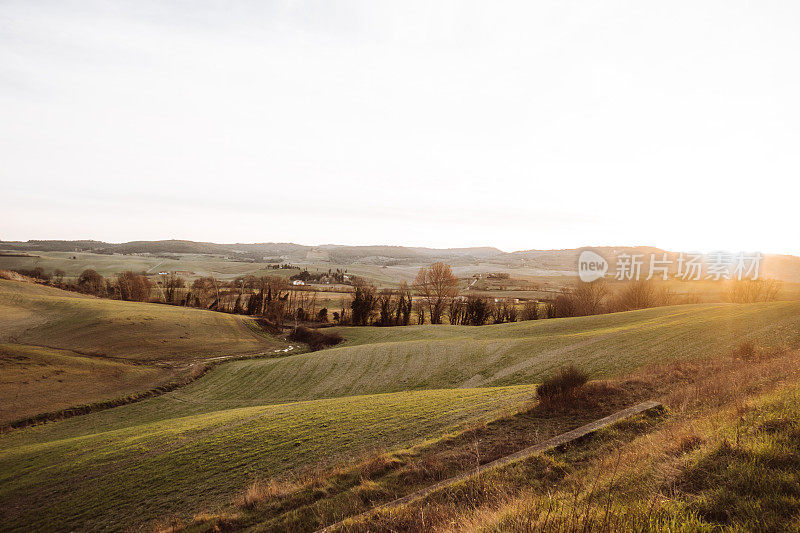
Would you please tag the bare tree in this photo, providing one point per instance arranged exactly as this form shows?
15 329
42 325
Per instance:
206 291
641 295
456 311
530 310
419 310
363 303
133 287
590 297
752 290
404 305
437 285
171 282
477 311
387 307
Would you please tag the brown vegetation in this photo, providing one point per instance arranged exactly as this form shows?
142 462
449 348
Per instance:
562 385
747 291
315 338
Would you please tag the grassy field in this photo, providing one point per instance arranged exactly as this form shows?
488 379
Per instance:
375 360
44 316
195 447
37 380
73 263
722 456
60 349
96 470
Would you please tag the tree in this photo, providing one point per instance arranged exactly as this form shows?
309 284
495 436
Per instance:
91 282
386 306
363 303
133 287
58 276
530 310
437 285
590 297
579 300
563 306
477 311
752 290
171 282
455 311
419 310
503 310
206 291
237 306
641 295
404 305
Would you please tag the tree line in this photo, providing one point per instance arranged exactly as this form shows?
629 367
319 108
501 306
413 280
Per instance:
432 297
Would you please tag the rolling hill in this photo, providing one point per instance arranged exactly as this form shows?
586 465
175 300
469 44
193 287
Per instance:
45 316
61 349
385 388
375 360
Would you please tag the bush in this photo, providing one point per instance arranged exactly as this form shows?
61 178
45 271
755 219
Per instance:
315 338
562 384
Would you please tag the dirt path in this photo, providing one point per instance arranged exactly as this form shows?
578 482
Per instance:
508 459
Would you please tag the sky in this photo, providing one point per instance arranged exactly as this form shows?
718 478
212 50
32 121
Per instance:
519 125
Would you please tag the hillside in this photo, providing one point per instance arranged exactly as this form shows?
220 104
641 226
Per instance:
45 316
61 349
196 447
377 360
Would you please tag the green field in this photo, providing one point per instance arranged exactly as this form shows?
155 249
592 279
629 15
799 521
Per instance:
44 316
377 360
128 465
196 447
73 263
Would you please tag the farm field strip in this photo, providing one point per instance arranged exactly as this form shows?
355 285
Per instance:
196 461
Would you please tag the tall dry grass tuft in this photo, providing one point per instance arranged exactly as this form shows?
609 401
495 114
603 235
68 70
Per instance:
260 491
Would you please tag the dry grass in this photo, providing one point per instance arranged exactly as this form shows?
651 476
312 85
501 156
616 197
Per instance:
38 380
261 491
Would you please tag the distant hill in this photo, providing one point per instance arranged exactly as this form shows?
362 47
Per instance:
259 251
783 267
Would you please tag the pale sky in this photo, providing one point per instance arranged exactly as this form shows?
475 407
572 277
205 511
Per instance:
518 125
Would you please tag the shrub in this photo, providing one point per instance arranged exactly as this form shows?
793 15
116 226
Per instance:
315 338
561 384
745 350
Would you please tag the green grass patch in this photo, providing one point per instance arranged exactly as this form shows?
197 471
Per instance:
96 471
374 360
